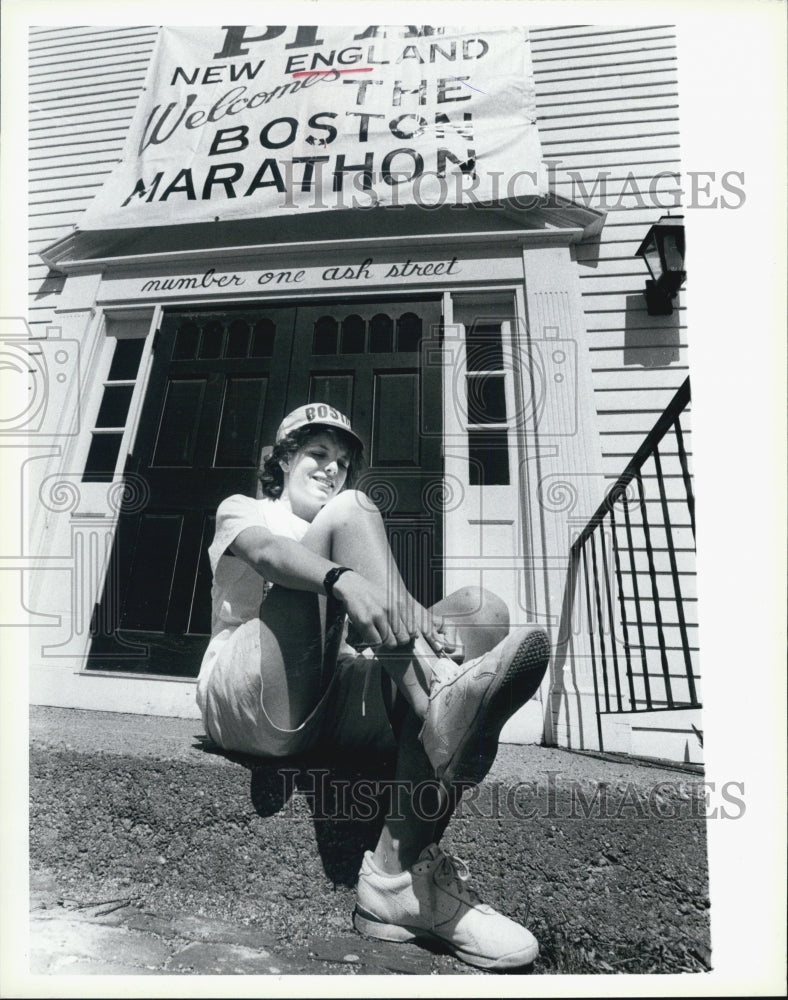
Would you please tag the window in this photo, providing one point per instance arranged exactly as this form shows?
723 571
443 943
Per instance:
355 335
488 437
113 411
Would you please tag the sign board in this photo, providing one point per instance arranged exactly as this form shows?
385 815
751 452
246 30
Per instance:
358 275
244 122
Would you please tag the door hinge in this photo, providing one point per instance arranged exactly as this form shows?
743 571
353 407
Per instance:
156 337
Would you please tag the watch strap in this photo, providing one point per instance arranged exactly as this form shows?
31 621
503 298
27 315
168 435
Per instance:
332 576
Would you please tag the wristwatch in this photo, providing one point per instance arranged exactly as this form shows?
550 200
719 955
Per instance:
332 576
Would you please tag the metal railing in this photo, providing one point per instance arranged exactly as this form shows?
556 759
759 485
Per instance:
634 564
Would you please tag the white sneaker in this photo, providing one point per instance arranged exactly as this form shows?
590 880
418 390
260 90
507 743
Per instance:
470 702
432 903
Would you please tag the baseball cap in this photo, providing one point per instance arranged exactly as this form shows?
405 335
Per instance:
319 415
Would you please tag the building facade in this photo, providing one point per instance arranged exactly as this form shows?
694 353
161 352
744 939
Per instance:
498 357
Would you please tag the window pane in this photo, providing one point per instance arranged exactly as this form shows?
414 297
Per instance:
263 339
381 335
408 332
102 458
126 359
486 399
212 337
237 339
114 406
483 347
325 339
352 335
488 455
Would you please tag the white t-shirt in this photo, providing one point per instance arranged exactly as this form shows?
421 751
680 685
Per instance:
238 591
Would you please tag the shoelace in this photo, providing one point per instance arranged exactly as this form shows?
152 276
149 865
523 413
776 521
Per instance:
367 675
446 670
447 874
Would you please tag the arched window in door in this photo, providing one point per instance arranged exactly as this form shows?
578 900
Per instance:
408 332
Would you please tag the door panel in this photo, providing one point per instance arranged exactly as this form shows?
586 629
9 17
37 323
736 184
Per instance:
349 350
152 571
337 390
239 428
180 420
219 386
395 405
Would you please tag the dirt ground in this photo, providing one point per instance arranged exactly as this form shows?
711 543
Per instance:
138 826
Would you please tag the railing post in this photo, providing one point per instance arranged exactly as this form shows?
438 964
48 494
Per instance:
609 601
621 603
675 575
582 550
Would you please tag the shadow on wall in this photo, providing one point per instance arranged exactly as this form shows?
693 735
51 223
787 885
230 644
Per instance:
563 654
586 252
650 341
53 284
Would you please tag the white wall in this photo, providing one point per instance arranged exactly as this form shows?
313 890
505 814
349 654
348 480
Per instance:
608 105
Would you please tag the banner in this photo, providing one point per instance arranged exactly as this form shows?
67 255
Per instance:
242 122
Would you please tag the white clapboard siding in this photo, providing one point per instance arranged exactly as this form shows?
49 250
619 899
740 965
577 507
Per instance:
557 125
607 107
556 105
84 85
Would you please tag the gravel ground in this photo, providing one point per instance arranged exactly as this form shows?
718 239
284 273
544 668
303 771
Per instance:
139 827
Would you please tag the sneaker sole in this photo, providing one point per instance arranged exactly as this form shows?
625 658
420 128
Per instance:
400 933
474 756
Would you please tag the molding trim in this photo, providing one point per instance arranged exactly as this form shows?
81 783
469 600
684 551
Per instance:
557 223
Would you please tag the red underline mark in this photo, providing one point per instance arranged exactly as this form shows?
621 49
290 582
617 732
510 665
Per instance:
322 72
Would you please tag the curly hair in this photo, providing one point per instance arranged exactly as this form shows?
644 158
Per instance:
270 473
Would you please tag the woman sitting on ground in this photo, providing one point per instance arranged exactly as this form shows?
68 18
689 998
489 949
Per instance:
290 569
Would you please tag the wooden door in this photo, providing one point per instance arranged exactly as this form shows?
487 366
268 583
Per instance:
220 384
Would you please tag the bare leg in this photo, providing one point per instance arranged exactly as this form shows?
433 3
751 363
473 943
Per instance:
482 621
350 531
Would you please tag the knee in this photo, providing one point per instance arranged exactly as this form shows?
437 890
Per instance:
485 605
350 506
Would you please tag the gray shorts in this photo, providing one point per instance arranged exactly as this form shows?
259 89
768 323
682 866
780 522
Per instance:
351 715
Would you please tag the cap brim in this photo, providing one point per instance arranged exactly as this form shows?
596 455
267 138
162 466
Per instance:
340 430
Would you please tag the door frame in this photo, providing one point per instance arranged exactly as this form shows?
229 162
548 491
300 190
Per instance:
139 401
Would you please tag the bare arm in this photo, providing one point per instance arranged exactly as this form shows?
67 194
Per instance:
281 560
381 618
